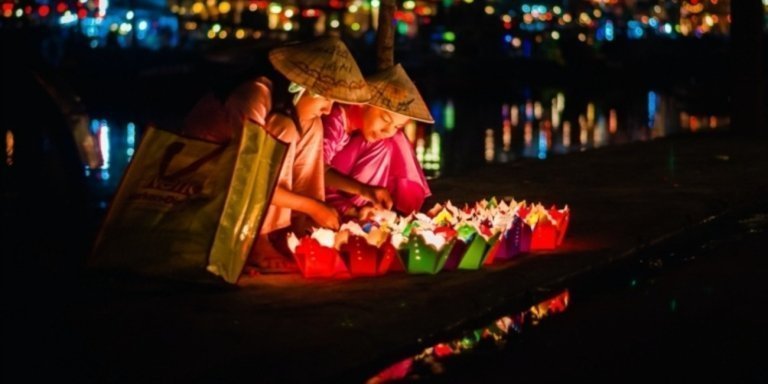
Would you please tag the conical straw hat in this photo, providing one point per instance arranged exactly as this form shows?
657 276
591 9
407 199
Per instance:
323 66
394 91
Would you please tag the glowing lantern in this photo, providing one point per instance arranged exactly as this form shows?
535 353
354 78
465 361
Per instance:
523 210
516 240
316 256
562 217
400 244
427 252
470 250
401 230
363 259
444 217
490 257
442 350
544 236
464 236
477 251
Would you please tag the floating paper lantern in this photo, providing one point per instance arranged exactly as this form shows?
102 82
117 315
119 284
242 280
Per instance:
478 249
516 240
470 249
490 256
317 256
549 226
562 217
464 236
445 237
367 253
427 252
544 236
364 259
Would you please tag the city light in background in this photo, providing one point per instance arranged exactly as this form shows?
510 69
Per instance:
523 28
530 128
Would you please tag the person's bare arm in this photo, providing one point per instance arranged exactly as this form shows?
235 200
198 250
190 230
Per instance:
321 213
380 197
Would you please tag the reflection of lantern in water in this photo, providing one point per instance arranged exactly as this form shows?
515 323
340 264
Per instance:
560 102
130 139
104 143
566 134
420 150
273 19
432 155
600 134
9 145
612 126
652 103
694 124
449 116
375 7
590 114
537 110
506 135
514 117
543 140
684 120
583 130
489 145
656 115
529 110
555 114
528 133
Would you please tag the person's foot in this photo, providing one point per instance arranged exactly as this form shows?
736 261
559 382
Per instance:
268 260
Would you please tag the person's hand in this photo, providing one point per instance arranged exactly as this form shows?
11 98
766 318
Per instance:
379 197
366 212
325 216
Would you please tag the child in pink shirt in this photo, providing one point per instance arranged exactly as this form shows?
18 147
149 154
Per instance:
369 161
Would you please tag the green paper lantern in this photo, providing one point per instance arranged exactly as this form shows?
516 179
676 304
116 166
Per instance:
423 258
476 252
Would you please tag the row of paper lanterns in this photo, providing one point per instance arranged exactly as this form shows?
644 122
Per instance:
444 238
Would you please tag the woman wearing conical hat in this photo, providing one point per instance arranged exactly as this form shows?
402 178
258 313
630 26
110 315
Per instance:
369 161
310 77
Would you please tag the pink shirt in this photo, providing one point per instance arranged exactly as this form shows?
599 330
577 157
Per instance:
335 136
389 163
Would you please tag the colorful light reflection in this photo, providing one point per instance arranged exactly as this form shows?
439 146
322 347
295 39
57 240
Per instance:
498 332
538 126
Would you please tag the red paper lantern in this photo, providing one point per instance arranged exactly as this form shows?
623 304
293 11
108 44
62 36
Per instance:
523 211
363 259
315 260
492 253
562 217
544 235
